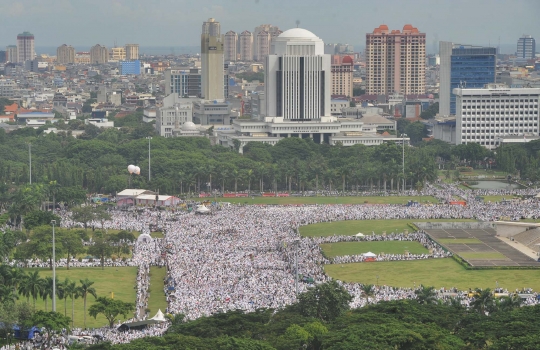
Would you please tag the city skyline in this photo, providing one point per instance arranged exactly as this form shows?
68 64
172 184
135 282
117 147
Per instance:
120 20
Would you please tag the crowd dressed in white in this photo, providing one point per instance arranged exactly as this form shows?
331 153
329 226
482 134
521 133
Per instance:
245 257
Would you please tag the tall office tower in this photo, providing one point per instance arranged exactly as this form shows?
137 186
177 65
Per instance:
212 63
25 47
395 61
271 30
342 75
463 66
263 45
526 47
230 47
298 77
246 46
117 54
184 82
65 54
11 54
132 52
99 54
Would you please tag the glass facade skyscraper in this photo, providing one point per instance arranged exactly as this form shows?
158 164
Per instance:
463 66
471 67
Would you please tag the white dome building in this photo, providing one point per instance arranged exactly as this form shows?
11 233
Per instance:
297 42
189 126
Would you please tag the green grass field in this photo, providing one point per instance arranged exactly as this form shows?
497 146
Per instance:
328 200
483 256
433 272
157 297
120 281
459 240
496 198
351 227
390 247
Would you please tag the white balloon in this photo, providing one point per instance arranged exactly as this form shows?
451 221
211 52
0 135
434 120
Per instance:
137 170
131 168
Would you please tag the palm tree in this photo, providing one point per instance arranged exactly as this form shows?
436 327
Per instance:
368 290
47 290
7 294
509 303
84 289
18 277
71 290
33 286
425 295
483 301
236 175
61 293
249 176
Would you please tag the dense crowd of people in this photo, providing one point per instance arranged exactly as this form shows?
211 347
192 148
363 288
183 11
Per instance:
247 257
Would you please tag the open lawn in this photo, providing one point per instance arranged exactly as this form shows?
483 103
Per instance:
433 272
483 256
459 241
329 200
157 297
390 247
118 280
496 198
352 227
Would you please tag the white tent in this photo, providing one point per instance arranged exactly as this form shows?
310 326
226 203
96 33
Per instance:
359 234
201 209
159 317
145 237
370 255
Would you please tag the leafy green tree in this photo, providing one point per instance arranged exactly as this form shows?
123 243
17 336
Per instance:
72 291
83 291
426 295
84 215
71 243
324 301
101 248
111 309
51 322
41 244
39 218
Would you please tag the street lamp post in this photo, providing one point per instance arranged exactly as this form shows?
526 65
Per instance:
296 244
377 280
403 136
149 172
53 222
30 161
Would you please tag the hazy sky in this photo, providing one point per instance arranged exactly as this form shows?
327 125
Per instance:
178 22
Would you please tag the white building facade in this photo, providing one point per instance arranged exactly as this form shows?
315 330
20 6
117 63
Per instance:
487 115
173 115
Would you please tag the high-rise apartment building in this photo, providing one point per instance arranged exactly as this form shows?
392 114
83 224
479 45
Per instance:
259 54
231 46
99 54
132 52
526 47
65 54
212 61
25 47
11 54
395 61
246 46
298 77
463 66
117 54
486 115
342 75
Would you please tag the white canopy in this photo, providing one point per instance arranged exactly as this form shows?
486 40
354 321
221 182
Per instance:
370 255
202 209
145 237
359 234
159 317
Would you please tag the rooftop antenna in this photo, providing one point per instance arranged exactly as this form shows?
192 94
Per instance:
297 23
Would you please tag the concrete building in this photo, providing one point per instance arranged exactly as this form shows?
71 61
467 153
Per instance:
488 114
262 48
184 82
99 54
173 115
297 93
65 54
526 47
82 57
463 66
117 54
7 87
25 47
231 46
132 52
342 75
246 46
329 49
337 105
395 61
212 61
212 112
108 96
11 54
